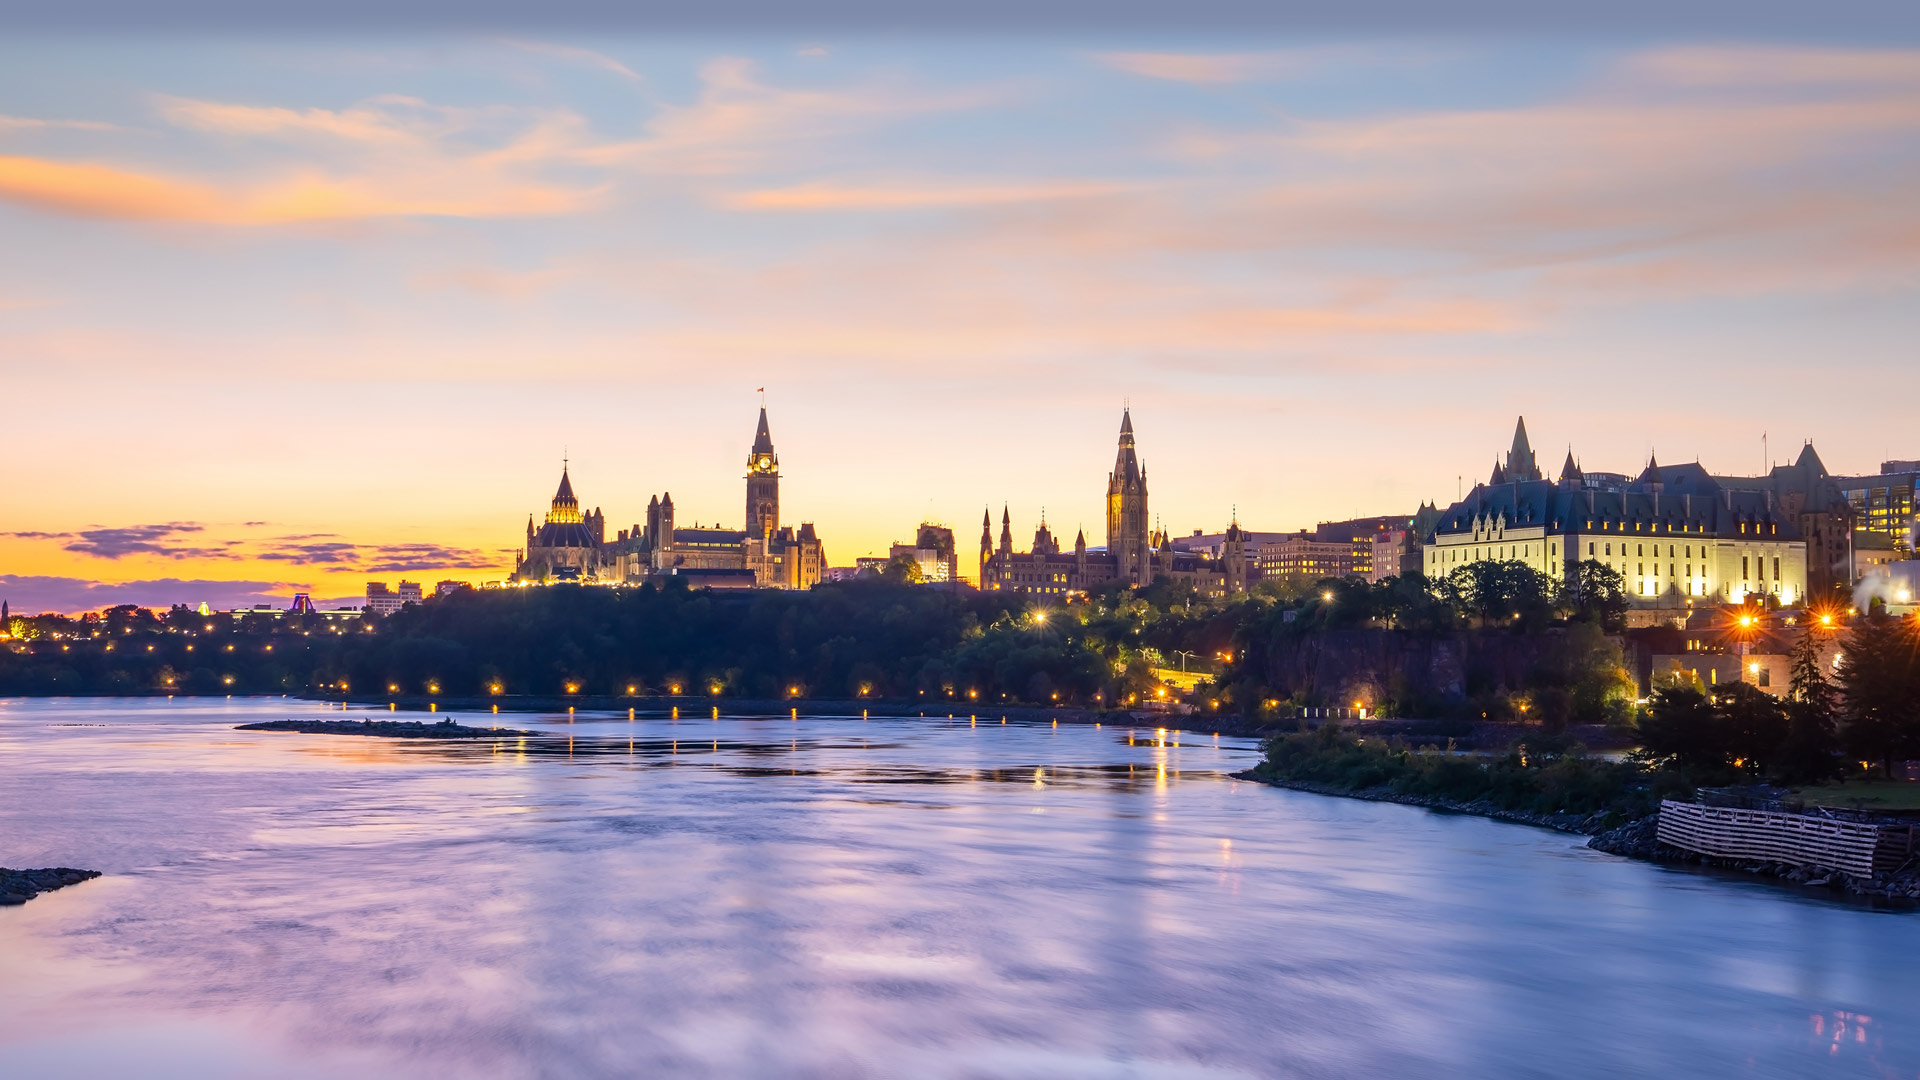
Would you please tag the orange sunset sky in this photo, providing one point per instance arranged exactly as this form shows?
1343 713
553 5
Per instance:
294 314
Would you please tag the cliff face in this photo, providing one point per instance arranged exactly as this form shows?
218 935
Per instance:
1371 666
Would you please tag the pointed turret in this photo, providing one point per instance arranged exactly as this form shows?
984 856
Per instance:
1499 475
1080 543
1570 473
1810 463
566 508
763 438
1520 463
1006 531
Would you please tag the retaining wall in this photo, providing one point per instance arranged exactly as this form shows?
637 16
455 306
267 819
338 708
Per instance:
1851 847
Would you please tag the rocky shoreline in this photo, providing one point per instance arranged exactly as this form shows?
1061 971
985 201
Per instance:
386 729
1583 824
1635 839
20 886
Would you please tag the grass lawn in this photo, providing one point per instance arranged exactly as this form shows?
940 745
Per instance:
1871 795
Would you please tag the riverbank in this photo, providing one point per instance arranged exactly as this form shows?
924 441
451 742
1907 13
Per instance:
1586 824
20 886
1638 840
386 729
652 705
1635 839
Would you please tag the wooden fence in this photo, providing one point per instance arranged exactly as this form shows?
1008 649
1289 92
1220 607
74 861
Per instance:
1852 847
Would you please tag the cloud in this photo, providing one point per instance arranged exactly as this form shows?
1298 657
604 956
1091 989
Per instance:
739 122
67 595
575 55
1215 67
100 191
914 196
118 543
395 156
28 123
378 558
1750 67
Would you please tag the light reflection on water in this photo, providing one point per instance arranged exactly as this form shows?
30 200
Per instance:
788 896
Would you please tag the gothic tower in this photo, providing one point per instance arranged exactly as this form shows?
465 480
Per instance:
1236 556
986 544
763 485
1127 528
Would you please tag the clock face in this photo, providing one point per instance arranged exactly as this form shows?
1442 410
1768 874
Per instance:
766 463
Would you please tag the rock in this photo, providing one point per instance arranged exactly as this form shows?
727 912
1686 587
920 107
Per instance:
20 886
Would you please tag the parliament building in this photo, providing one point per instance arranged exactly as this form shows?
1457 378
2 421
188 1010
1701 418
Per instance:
573 546
1135 553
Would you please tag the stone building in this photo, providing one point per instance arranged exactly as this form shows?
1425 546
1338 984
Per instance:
572 546
568 545
1135 553
1675 533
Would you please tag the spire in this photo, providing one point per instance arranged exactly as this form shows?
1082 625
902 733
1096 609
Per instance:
1520 464
762 438
1126 462
566 508
1499 474
1570 471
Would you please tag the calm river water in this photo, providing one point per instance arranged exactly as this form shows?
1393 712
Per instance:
815 897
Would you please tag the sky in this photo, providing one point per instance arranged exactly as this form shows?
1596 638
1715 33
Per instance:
292 311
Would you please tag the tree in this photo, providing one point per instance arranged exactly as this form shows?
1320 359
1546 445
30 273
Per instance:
1682 729
1881 690
1754 723
1807 755
902 570
1494 591
1598 594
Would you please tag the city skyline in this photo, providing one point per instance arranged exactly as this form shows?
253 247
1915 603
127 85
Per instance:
327 558
286 317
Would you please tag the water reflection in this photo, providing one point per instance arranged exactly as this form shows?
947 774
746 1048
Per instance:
799 896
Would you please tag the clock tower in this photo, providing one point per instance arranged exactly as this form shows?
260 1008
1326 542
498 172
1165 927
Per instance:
763 484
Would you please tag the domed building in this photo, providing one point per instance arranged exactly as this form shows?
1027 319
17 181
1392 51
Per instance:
568 546
572 546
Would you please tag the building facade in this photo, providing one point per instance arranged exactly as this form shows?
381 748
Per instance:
571 546
1674 533
1135 554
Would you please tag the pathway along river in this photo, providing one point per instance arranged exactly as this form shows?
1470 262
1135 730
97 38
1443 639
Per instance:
811 897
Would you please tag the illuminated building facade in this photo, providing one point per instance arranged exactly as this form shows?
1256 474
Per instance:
1675 534
572 546
1135 554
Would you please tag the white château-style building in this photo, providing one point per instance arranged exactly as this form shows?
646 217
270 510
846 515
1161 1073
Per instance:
1674 533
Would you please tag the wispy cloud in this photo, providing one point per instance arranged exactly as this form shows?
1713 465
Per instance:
1216 67
573 54
30 123
916 196
394 155
118 543
26 593
378 558
100 191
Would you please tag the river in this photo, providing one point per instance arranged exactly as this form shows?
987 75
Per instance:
798 896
